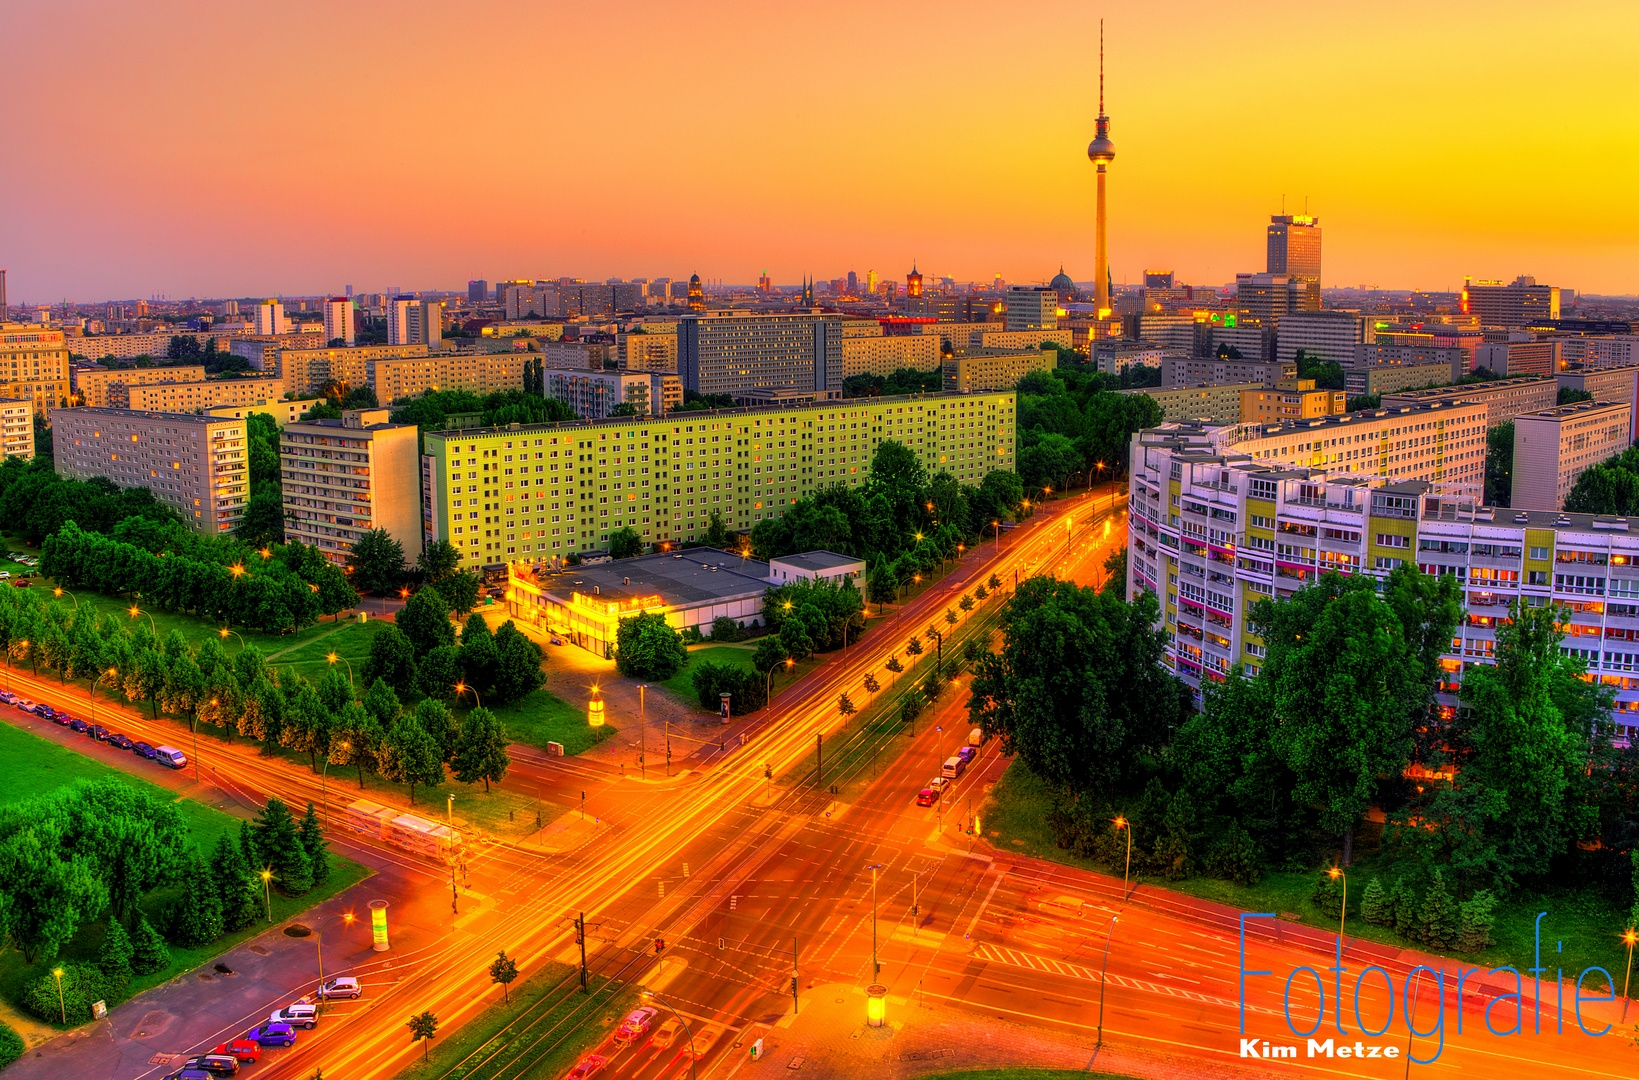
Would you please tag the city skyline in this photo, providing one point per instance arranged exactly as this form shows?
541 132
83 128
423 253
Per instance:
749 152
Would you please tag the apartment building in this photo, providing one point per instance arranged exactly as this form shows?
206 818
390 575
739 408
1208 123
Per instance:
1504 398
882 354
652 350
1211 404
1212 533
1438 441
1555 446
594 394
1290 399
1186 370
1617 385
306 371
955 336
532 492
156 345
994 369
478 373
108 388
1016 340
1381 354
343 478
725 352
1523 357
195 396
416 322
1324 335
197 465
33 364
1521 302
1115 357
17 427
667 390
1616 350
1392 378
283 410
577 355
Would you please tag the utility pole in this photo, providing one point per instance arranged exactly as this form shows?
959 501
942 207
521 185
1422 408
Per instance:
580 939
642 730
819 753
876 965
794 975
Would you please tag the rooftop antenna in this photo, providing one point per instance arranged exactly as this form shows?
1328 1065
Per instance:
1101 67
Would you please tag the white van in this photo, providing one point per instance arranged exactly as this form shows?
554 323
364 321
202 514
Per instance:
171 756
952 768
976 737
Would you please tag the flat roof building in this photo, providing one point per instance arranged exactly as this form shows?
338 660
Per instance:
1504 399
1216 404
195 396
1617 385
343 478
1522 302
199 466
17 427
722 352
1290 399
106 388
593 395
1391 378
1185 370
1555 446
994 369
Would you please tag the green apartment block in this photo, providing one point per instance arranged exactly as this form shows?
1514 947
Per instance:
528 493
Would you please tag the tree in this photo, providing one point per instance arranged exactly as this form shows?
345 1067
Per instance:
1610 487
768 655
871 685
196 918
114 959
517 665
280 846
625 543
318 852
231 876
439 724
376 561
148 951
409 756
383 704
882 584
647 648
425 620
438 560
716 531
480 750
1403 901
392 660
438 672
1499 465
1440 917
845 706
1474 922
479 656
423 1027
1374 905
263 522
461 590
503 969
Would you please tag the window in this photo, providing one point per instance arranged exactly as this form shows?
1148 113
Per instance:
1539 553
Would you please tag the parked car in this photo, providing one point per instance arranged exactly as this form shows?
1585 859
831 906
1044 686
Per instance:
967 753
245 1050
189 1074
344 987
171 757
44 710
61 718
75 724
4 574
122 741
296 1014
666 1033
589 1064
272 1035
143 750
215 1064
938 783
927 797
99 733
24 704
635 1026
8 697
21 583
952 768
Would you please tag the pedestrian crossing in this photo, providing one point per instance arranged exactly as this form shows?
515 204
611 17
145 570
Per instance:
1064 969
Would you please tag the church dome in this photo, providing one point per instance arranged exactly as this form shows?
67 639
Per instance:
1061 282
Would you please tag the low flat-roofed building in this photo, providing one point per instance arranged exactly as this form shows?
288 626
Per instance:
1504 399
585 603
1290 399
1213 403
284 411
1555 446
818 566
1617 385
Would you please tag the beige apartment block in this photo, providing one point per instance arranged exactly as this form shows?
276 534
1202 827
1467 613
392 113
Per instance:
1617 385
1555 446
17 427
594 394
994 369
283 410
197 396
652 350
343 478
479 373
1290 399
33 364
197 465
157 346
1505 398
880 354
583 355
107 388
1213 404
306 371
1016 339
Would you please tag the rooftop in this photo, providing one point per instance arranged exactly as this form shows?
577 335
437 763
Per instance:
1562 412
680 579
816 560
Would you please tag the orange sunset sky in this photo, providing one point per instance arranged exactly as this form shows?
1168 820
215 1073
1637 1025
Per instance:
218 148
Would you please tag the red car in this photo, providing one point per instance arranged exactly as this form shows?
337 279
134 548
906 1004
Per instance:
927 797
243 1049
588 1065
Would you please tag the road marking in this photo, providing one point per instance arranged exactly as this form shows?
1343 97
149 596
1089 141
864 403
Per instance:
1014 958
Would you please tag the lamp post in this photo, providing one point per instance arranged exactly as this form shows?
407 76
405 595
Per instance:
643 730
1103 967
58 593
267 891
111 672
463 688
996 524
1628 939
324 796
1343 914
57 973
449 823
332 657
648 996
134 611
224 633
876 965
1126 874
318 940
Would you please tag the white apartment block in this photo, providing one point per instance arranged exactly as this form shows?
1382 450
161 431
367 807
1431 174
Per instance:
1555 446
1213 532
594 394
1618 385
17 427
1618 350
1503 398
338 320
270 318
1327 335
197 465
1437 442
1015 339
197 396
415 322
343 478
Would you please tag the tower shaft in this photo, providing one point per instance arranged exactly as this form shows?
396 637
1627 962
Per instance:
1101 255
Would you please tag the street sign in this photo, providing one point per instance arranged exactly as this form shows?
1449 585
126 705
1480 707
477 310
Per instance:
756 1050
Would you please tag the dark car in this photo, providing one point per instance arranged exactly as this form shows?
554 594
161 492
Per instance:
61 718
215 1064
189 1073
143 750
122 741
99 733
79 725
44 710
272 1035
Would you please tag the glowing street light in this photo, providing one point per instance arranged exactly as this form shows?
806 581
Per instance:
236 569
318 939
110 673
224 633
463 688
1123 823
134 611
333 656
57 973
1336 874
1628 939
267 891
58 593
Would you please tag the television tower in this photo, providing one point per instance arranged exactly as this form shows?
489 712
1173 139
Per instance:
1101 151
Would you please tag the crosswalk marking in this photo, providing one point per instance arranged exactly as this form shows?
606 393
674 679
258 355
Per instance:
1015 958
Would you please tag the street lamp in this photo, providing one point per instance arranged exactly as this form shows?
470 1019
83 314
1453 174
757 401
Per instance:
318 940
224 632
134 611
333 656
1103 967
267 891
463 688
57 973
996 523
58 593
344 746
647 996
93 694
876 965
1628 939
1123 823
1335 874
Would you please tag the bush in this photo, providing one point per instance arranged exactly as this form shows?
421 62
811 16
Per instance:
647 648
1474 922
747 688
1234 857
1374 905
82 984
11 1046
724 628
1439 919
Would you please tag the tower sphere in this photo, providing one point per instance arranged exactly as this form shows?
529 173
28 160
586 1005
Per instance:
1101 150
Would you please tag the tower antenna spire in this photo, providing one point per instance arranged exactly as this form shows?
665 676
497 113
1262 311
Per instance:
1101 67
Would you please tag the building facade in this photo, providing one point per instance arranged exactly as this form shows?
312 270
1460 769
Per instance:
994 369
722 352
1391 378
1214 404
1185 370
411 376
1617 385
106 388
652 350
33 365
199 466
17 427
1555 446
1324 335
1504 398
306 371
594 394
883 354
1032 307
544 490
415 322
195 396
342 478
338 321
1522 302
1290 399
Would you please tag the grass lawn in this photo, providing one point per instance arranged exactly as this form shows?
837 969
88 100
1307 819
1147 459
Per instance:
350 642
542 717
1583 919
38 766
549 1004
681 685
